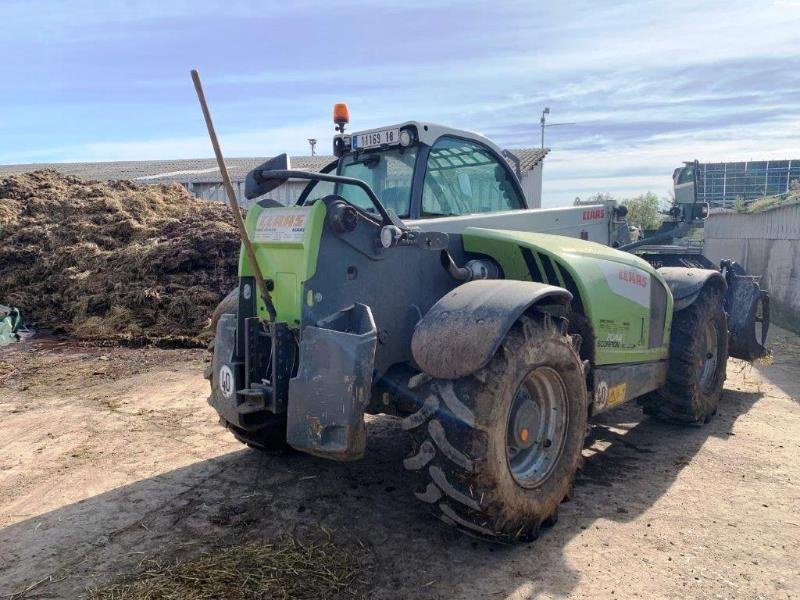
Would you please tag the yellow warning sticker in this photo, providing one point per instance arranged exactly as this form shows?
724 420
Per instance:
616 394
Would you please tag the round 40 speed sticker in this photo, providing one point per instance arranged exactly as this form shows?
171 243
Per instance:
226 381
601 395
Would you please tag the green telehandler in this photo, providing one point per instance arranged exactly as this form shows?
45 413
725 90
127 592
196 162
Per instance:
412 279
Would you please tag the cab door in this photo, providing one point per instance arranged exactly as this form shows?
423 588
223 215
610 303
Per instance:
464 177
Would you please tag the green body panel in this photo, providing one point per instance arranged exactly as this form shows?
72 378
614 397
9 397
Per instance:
286 243
614 286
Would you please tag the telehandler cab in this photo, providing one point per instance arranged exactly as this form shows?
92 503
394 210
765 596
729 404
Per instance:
411 278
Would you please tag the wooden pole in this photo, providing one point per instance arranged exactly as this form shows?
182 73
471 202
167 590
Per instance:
237 215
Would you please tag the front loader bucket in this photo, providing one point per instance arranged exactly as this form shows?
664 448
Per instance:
748 317
328 396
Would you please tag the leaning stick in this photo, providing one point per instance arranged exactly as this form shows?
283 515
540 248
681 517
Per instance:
237 215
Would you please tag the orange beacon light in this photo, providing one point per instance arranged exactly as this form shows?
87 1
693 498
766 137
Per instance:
341 115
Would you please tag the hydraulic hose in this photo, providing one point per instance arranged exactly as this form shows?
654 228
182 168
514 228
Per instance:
456 272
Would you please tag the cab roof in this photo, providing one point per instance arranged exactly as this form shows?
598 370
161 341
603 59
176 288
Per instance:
428 133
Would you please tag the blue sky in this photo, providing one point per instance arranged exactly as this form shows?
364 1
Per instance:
648 84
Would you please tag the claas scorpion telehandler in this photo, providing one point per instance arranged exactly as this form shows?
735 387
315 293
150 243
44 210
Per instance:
411 278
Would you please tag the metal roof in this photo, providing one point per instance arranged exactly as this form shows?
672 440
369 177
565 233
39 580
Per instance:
204 170
192 170
528 157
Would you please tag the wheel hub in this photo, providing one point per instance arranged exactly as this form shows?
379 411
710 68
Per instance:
525 424
537 426
708 356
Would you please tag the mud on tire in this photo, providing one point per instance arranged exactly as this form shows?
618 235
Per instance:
461 430
694 385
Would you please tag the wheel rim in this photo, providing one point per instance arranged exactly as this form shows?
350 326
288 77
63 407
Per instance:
708 356
759 324
537 426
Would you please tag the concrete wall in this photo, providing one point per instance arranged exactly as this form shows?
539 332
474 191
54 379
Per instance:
765 244
288 193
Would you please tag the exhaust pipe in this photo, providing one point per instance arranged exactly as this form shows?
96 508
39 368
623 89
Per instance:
473 270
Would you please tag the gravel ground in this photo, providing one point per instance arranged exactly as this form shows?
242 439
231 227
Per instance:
109 456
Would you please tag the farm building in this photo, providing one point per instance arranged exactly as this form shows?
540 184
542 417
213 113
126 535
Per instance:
722 184
202 178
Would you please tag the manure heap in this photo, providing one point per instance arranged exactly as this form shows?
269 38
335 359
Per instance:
114 262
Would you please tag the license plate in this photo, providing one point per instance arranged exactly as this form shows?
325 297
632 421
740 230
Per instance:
375 139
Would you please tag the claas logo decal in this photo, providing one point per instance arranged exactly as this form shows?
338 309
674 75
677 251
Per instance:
286 225
633 277
284 221
593 214
628 282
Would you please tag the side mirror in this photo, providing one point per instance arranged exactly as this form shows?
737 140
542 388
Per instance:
257 185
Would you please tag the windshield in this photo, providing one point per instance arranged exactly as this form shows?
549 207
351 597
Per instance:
685 175
389 173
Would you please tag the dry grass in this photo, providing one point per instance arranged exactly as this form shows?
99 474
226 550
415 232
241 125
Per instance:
767 359
7 370
284 570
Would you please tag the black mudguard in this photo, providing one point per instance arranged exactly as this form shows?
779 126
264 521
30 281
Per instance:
462 331
743 300
686 283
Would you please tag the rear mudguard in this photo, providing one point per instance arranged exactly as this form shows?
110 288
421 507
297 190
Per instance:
462 331
687 283
742 302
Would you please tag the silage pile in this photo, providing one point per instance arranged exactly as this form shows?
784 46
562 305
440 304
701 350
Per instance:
115 261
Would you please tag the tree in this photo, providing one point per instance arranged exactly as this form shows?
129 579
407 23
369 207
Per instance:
643 211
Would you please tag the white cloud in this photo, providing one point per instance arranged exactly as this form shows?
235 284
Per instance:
648 84
259 142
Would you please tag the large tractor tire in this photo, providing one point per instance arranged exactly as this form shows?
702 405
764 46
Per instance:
496 452
698 356
229 304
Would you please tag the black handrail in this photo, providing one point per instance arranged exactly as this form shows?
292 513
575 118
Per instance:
295 174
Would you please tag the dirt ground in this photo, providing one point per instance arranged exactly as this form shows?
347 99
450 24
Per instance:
112 455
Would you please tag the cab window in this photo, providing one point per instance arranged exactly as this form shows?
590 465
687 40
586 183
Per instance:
463 177
316 190
686 175
389 173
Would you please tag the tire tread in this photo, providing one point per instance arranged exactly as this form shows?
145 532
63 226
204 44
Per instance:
454 480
